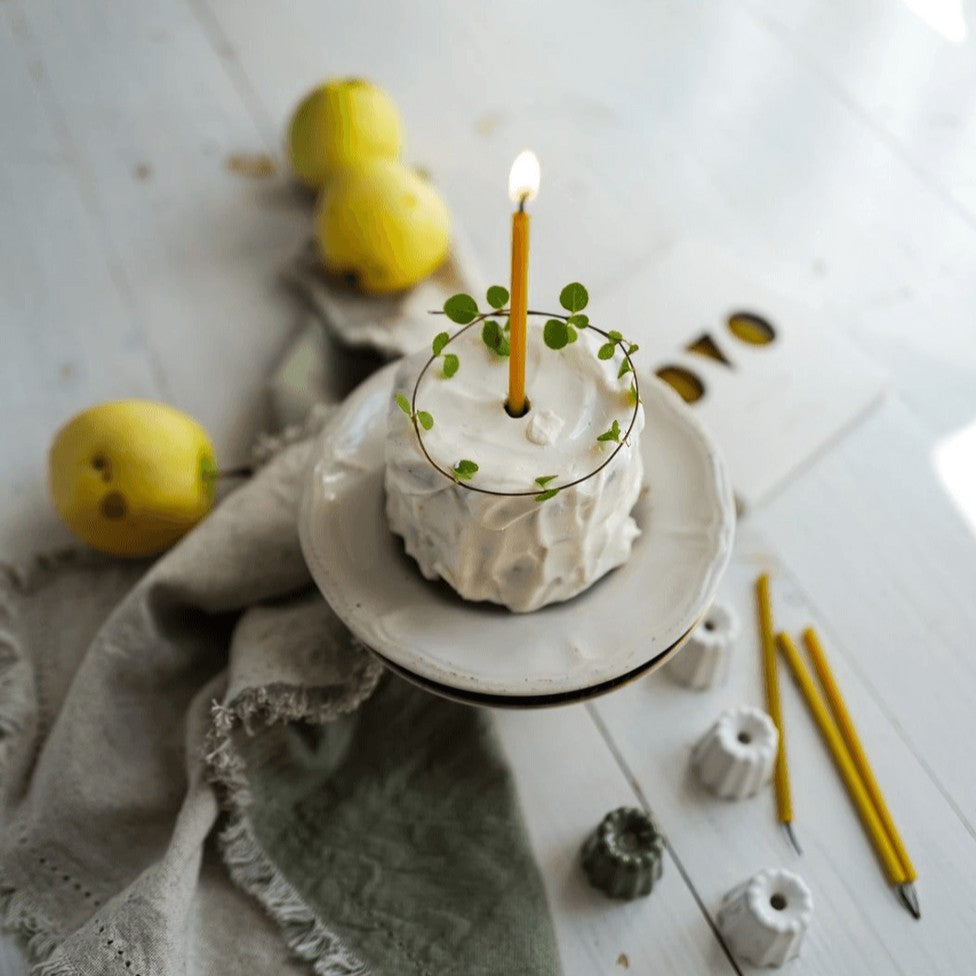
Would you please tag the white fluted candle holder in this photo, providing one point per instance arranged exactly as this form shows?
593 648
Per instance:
735 757
704 661
764 919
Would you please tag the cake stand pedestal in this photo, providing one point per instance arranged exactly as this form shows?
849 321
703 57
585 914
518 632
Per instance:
623 626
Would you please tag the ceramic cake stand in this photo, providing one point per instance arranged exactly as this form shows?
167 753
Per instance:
624 625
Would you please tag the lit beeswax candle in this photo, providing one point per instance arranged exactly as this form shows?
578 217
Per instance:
523 185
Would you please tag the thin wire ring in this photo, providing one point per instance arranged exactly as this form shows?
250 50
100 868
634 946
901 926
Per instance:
538 489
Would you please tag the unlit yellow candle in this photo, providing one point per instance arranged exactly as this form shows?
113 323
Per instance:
519 308
784 798
843 762
853 742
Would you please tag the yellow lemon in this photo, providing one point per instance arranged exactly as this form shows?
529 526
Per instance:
342 123
131 477
382 227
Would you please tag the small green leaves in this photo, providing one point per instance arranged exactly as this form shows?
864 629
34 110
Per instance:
556 334
625 366
613 434
421 416
497 296
632 396
451 362
440 341
608 348
549 492
465 470
494 338
461 308
574 297
580 321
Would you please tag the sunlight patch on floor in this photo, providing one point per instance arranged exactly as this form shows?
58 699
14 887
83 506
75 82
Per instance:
945 17
955 463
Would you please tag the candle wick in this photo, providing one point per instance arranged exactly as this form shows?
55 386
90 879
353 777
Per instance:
522 200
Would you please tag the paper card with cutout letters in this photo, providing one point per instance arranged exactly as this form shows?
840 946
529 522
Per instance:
773 382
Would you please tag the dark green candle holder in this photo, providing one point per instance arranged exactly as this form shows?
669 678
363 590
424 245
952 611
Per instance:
624 856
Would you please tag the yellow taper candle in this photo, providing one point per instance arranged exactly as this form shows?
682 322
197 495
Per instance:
523 185
852 740
843 762
784 797
518 318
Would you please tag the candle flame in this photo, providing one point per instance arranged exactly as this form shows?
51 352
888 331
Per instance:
523 180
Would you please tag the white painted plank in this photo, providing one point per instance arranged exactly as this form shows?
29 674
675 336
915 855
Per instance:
129 195
859 926
567 781
887 559
926 338
909 68
68 338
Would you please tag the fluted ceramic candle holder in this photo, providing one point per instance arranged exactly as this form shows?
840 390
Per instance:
765 919
735 758
623 857
704 661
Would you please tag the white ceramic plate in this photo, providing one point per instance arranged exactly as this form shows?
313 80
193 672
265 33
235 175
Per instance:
625 624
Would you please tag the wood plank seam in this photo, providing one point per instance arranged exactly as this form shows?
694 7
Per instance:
81 171
642 799
889 141
862 677
233 68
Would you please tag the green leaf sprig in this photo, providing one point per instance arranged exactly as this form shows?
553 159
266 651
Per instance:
463 309
464 470
547 493
494 334
607 350
613 434
422 417
495 337
497 297
558 333
451 362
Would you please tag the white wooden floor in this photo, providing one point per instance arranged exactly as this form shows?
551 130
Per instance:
829 146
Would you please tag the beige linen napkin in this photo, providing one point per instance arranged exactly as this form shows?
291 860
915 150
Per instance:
147 709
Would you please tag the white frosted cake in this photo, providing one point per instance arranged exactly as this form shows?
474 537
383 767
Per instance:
547 511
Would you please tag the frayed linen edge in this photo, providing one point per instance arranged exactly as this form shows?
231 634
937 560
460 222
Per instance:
36 936
308 937
303 931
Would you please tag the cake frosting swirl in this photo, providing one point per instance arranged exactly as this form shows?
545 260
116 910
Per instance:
548 511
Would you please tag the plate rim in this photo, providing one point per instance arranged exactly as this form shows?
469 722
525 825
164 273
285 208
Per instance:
457 692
